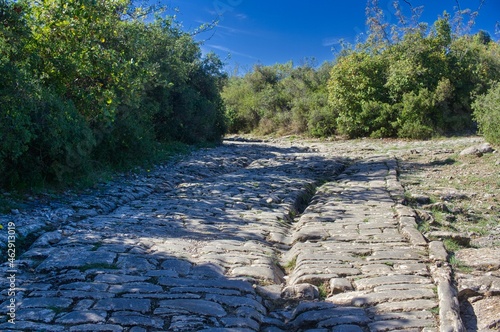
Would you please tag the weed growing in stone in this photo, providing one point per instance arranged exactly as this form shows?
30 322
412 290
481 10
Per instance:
451 245
323 291
435 311
56 310
96 246
98 266
290 266
459 265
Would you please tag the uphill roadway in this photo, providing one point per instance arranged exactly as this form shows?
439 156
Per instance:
248 236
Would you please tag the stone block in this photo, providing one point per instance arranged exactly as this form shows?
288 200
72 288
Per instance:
340 285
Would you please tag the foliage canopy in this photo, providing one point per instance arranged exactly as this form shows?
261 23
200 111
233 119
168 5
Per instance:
98 83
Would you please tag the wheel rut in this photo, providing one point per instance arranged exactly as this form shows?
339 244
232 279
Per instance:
350 266
251 236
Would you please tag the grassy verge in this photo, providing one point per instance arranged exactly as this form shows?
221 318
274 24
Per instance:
467 185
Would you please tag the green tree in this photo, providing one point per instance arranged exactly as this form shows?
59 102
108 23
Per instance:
475 66
356 84
242 106
408 79
17 91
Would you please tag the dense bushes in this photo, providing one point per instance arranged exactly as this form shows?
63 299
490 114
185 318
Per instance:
357 94
487 113
278 99
89 84
418 87
408 81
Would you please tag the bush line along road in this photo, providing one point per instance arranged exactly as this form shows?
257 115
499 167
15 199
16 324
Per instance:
89 86
248 236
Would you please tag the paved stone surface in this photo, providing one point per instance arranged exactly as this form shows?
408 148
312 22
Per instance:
352 246
220 241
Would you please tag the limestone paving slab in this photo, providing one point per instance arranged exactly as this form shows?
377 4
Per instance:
196 307
80 317
37 315
120 304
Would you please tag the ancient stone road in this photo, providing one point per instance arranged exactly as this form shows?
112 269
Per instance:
243 237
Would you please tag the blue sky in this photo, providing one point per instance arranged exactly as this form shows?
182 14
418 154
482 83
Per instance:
276 31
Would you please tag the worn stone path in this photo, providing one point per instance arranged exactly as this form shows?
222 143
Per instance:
221 242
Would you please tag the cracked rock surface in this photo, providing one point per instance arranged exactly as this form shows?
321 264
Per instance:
249 236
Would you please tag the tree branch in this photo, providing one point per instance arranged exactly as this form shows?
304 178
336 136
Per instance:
408 3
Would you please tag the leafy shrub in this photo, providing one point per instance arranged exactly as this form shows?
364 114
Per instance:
487 114
322 122
241 106
406 80
17 91
356 91
62 145
414 121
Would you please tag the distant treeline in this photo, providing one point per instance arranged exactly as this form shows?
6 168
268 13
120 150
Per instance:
89 84
405 80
